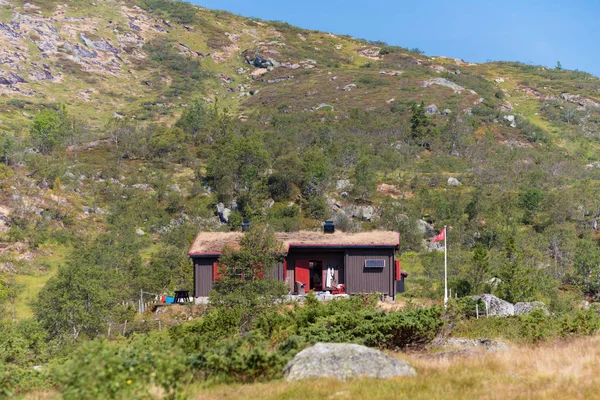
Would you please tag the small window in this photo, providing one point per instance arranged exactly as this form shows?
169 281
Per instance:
373 263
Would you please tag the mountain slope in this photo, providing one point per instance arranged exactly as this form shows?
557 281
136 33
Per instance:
149 59
296 126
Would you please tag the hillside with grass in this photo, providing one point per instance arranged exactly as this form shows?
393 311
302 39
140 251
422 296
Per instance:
128 126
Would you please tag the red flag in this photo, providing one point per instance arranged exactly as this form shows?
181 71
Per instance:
441 236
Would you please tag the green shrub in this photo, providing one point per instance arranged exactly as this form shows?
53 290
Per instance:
16 380
129 369
245 359
177 11
538 326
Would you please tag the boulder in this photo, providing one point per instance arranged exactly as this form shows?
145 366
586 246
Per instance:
367 213
496 306
443 82
139 232
262 62
432 109
342 184
447 111
466 344
349 87
4 222
454 182
527 307
511 119
344 361
425 228
223 213
324 107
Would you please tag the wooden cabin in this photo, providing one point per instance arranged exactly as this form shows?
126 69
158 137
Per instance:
338 262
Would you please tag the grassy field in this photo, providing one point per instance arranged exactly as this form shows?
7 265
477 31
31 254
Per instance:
565 370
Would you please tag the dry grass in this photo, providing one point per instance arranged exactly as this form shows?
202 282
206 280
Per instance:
566 370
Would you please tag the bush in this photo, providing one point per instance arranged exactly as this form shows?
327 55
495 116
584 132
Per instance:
356 320
177 11
129 369
538 326
245 359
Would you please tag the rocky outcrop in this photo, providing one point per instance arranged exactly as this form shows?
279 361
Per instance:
579 100
367 213
344 361
101 45
79 51
443 82
10 78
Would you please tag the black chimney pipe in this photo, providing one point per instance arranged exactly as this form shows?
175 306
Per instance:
328 227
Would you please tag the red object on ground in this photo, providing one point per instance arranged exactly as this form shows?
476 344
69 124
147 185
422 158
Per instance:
339 290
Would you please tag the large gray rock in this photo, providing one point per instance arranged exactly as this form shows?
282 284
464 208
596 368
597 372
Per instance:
344 361
527 307
342 184
432 109
223 213
511 119
496 306
425 228
453 182
443 82
367 213
466 344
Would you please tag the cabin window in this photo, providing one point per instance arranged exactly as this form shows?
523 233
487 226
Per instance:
375 263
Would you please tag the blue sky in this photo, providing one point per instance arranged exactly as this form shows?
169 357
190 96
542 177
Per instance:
532 31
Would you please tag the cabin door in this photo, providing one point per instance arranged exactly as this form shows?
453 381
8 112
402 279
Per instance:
303 273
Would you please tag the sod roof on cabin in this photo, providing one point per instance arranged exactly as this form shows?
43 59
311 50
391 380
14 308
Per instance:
214 242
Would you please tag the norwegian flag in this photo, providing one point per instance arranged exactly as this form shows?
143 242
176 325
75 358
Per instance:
441 236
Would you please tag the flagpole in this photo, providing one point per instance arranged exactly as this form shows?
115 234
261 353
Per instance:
445 267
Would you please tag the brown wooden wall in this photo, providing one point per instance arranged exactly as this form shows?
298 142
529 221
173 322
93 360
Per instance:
277 272
203 276
369 280
350 270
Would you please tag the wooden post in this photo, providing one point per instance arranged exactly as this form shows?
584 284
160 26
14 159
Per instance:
477 310
450 292
125 328
486 309
108 334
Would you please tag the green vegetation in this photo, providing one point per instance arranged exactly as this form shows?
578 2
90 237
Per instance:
106 177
